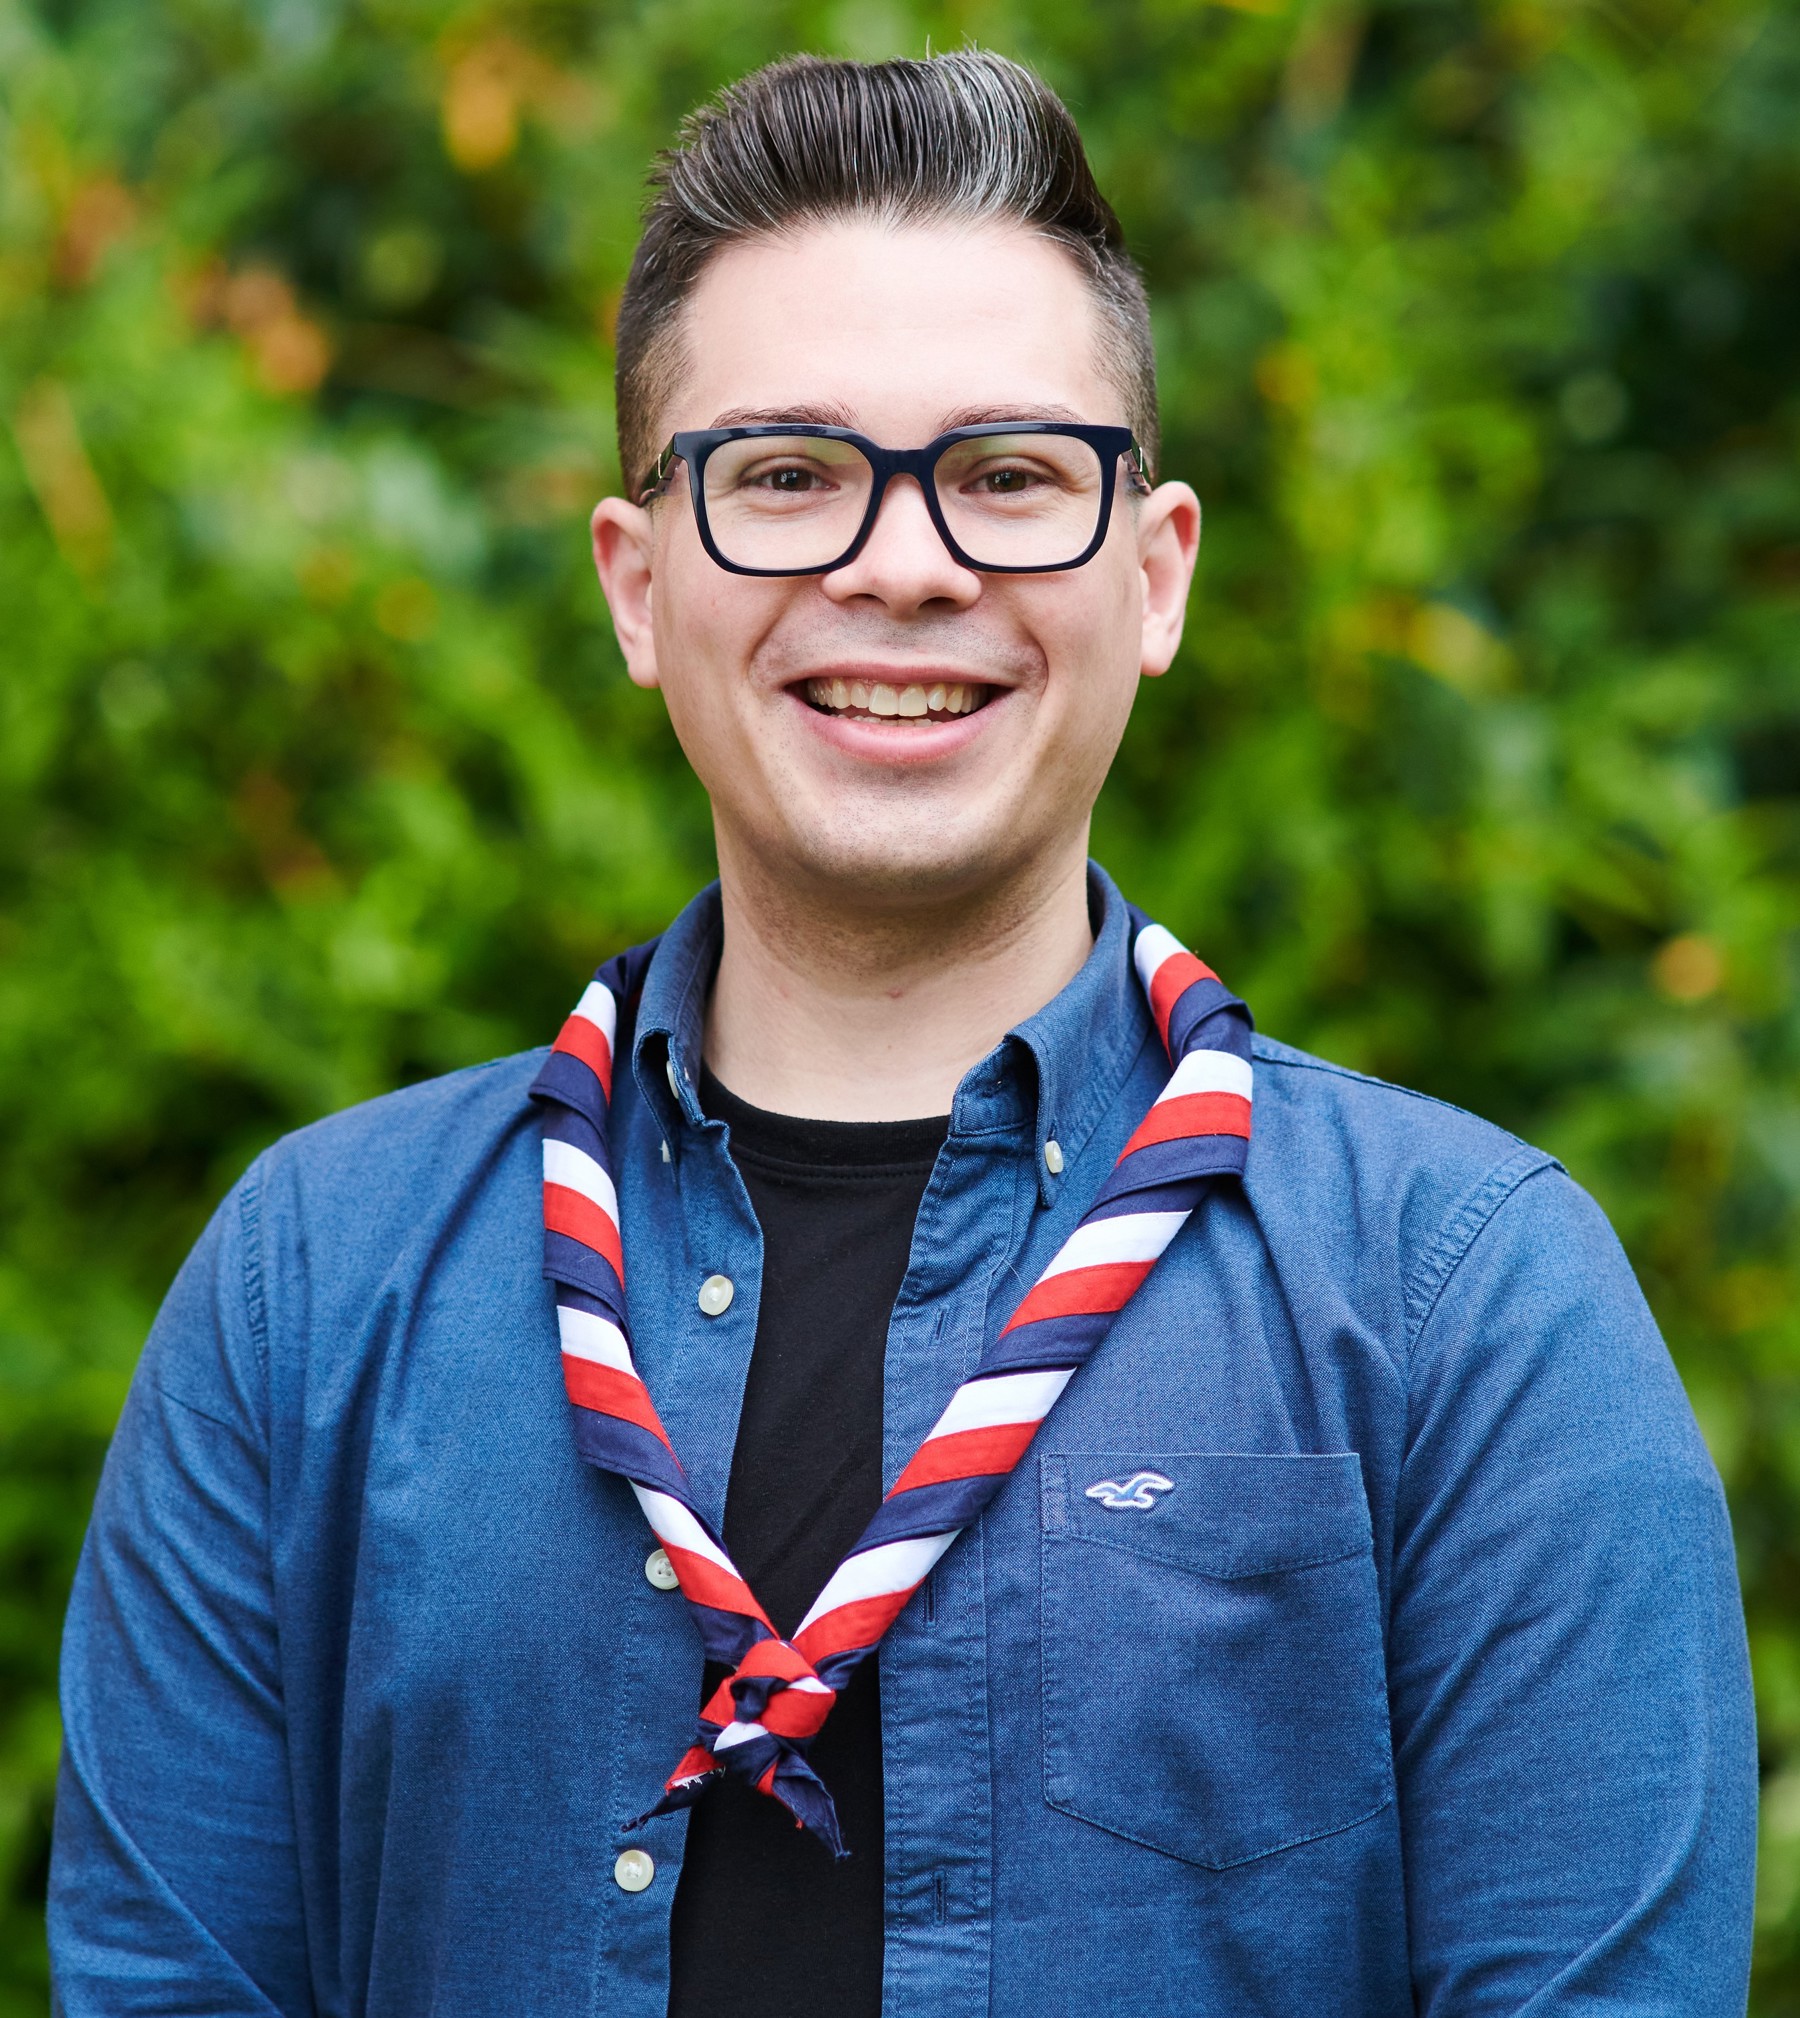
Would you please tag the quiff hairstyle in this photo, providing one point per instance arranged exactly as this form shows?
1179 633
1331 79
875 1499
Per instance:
966 137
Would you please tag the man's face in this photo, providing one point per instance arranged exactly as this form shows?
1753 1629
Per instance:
899 334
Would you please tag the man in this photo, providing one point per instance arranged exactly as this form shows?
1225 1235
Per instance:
1187 1565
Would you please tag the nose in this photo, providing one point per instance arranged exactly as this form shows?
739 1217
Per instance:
904 565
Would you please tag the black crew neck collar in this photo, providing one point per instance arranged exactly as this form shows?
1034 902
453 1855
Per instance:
800 1143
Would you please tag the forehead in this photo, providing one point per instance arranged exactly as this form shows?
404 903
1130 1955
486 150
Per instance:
897 330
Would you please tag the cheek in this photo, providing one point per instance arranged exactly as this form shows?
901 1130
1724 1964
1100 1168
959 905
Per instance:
1093 640
704 634
694 658
709 628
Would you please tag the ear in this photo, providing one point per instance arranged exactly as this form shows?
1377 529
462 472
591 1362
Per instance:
1168 532
623 558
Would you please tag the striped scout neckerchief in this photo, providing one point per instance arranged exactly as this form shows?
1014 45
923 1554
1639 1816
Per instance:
761 1719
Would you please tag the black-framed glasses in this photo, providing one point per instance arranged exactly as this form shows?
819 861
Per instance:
1008 497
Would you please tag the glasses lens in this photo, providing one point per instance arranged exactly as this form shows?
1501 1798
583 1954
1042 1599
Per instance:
786 501
1021 500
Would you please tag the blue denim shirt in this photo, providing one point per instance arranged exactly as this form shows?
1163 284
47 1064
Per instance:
1423 1688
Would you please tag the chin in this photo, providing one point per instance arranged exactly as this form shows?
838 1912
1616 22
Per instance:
923 863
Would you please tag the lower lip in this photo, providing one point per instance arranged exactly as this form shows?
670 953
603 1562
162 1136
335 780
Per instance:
901 741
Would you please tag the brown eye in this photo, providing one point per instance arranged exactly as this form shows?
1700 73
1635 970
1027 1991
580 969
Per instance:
1013 480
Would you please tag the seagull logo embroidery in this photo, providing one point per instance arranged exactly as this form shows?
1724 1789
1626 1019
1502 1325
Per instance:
1139 1491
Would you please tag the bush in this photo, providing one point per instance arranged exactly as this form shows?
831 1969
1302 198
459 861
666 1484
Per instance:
318 773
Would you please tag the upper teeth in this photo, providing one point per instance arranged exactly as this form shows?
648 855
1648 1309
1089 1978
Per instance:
880 699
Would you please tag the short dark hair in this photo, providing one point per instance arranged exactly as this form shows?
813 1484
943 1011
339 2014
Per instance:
967 135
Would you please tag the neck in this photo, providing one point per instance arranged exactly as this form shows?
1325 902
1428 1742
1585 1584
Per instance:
830 1007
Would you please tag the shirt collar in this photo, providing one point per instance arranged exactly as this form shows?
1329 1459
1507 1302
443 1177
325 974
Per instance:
671 1017
1058 1071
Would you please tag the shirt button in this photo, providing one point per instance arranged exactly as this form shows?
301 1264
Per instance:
674 1081
1053 1157
633 1870
660 1571
716 1293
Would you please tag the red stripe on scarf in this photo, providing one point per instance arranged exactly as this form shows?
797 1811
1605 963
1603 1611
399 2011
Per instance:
777 1657
797 1713
587 1041
609 1391
1170 982
1190 1114
704 1583
721 1706
575 1214
966 1453
696 1764
860 1623
1081 1292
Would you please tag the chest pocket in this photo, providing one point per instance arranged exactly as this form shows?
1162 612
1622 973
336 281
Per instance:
1214 1684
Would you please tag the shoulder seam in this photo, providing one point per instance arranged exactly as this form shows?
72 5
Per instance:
256 1311
1464 1221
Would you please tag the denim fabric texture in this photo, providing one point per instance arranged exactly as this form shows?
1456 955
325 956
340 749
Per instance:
1419 1685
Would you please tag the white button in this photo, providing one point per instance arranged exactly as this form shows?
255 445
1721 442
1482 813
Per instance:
665 1150
674 1082
1053 1157
633 1870
716 1293
660 1571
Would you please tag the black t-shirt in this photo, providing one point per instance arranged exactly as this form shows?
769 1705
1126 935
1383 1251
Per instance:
765 1923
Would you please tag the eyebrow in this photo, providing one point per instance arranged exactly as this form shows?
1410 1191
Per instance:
979 416
830 414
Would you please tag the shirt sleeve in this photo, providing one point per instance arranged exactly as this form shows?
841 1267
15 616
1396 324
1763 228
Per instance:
174 1880
1569 1684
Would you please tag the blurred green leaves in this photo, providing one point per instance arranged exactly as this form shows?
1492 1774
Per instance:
1480 769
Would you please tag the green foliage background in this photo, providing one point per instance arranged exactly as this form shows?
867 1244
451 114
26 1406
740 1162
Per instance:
1481 767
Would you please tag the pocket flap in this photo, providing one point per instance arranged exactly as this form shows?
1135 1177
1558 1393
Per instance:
1215 1513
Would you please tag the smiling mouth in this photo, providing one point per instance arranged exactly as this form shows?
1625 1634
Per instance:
876 701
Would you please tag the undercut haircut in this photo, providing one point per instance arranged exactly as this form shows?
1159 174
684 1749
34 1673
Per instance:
967 137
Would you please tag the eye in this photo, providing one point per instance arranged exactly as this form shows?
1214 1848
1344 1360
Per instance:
1018 477
785 479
